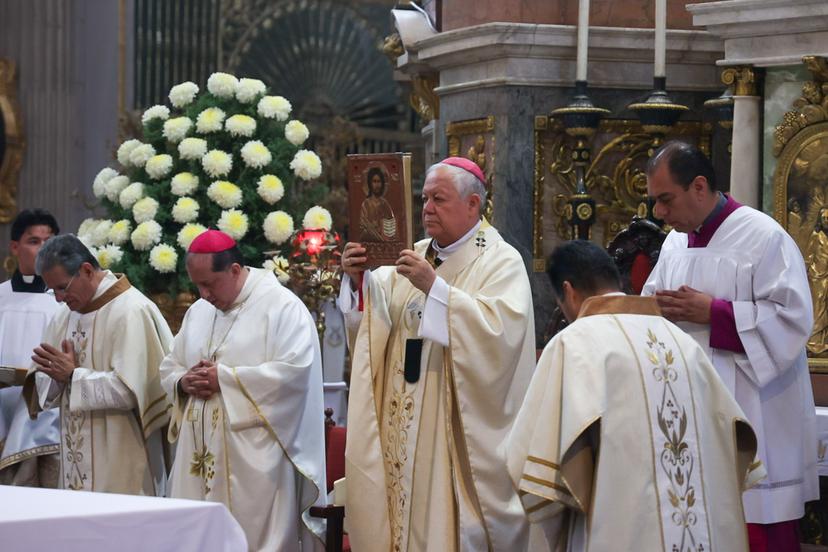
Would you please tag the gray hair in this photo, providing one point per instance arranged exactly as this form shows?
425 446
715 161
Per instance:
66 251
464 181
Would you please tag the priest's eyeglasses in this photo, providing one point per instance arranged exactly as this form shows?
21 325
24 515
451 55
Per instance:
63 289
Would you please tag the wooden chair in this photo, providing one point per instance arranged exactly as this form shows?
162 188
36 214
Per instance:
335 469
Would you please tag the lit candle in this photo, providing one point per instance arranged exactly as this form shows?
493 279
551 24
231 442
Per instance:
583 34
660 37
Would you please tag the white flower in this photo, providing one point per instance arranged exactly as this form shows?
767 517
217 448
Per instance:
87 243
306 165
296 132
222 85
278 227
126 149
210 120
183 184
85 230
274 107
217 163
256 154
109 255
241 125
163 258
176 129
270 188
317 217
234 223
142 153
183 94
279 265
192 148
185 210
131 194
248 89
188 233
159 166
99 184
99 233
146 235
145 209
155 112
119 232
226 194
115 186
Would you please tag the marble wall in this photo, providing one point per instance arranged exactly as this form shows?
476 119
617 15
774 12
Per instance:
783 85
604 13
66 53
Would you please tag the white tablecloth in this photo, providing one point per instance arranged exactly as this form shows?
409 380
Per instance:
48 520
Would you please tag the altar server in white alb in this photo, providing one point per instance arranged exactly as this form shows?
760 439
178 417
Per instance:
628 439
443 348
732 278
99 362
28 447
245 380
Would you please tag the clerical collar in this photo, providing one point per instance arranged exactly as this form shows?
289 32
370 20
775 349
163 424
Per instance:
720 204
24 283
724 208
443 252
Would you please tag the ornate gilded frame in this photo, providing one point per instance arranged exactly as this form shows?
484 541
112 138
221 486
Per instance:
15 143
475 139
800 190
615 176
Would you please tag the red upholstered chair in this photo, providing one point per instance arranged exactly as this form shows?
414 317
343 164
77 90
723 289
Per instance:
635 251
336 541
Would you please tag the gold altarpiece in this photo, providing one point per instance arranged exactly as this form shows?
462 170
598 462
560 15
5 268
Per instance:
800 190
615 178
475 139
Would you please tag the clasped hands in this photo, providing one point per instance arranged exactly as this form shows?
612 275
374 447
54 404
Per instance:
200 381
57 364
411 265
685 305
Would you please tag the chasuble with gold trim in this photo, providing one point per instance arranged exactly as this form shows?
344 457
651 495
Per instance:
629 440
423 468
258 445
112 409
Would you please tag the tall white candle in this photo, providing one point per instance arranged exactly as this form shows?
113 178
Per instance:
583 38
660 37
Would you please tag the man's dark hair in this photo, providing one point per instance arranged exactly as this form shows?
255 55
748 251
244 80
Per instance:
223 260
375 171
586 266
66 251
684 162
32 217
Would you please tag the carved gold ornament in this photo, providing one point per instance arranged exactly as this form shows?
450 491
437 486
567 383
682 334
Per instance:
11 156
475 139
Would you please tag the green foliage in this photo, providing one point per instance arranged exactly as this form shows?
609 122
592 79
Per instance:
299 195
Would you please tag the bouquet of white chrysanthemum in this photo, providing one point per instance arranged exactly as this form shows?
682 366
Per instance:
227 157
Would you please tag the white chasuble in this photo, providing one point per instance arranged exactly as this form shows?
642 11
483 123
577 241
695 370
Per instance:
629 440
257 445
23 319
113 408
752 262
423 467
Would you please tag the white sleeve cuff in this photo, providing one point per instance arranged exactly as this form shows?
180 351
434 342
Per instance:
434 324
93 390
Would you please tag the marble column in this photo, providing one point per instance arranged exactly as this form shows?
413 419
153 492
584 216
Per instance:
745 175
